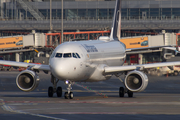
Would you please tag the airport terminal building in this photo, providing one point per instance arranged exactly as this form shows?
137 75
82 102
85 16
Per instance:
138 16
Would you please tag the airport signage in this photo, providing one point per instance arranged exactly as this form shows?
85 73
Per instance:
135 42
11 42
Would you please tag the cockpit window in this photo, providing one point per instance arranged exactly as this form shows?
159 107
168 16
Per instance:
78 55
53 54
74 55
67 55
59 55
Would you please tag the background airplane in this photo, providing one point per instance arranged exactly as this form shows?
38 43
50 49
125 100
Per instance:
88 61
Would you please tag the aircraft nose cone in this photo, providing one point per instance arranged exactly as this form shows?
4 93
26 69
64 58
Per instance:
59 69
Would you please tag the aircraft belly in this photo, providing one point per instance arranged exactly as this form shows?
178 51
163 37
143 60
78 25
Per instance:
81 75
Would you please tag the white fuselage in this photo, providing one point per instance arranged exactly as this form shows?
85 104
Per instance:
85 60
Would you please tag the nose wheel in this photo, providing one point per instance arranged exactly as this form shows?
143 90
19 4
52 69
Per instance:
68 94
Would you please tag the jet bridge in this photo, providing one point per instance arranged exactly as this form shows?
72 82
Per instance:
148 49
20 42
21 47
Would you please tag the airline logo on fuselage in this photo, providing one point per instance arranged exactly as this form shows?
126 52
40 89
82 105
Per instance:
90 48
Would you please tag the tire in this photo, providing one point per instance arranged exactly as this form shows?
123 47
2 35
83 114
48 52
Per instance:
50 92
66 95
121 92
59 92
130 93
176 73
146 71
71 95
159 73
153 73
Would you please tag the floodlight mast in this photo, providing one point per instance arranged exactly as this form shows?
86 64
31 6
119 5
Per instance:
62 21
51 16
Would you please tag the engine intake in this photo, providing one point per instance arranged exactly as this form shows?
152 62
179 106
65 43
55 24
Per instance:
27 80
136 81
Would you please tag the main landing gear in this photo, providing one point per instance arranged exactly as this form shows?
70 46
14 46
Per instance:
123 90
54 89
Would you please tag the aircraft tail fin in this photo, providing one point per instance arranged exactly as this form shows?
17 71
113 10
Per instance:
116 26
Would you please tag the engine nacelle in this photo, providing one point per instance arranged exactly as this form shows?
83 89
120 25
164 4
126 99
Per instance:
27 80
136 81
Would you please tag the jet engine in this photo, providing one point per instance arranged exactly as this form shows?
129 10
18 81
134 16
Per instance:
27 80
136 81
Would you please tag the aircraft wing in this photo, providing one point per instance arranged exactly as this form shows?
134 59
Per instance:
22 64
143 48
115 69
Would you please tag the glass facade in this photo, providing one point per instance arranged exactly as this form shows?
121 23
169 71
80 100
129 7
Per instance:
82 13
131 9
132 12
91 13
127 13
154 13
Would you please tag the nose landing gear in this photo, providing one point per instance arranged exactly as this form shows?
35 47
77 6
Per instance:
68 94
58 90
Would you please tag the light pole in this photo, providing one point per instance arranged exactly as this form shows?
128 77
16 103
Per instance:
51 16
62 21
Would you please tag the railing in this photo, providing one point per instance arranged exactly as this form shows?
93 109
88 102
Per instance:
92 18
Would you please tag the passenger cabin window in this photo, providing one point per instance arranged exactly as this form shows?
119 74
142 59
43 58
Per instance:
59 55
67 55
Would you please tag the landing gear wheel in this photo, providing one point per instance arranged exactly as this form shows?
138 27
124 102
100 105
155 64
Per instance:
66 95
176 73
159 73
121 92
50 92
130 93
71 95
59 91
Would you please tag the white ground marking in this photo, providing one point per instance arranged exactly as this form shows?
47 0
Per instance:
9 109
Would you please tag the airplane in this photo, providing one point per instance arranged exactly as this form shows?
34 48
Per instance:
88 61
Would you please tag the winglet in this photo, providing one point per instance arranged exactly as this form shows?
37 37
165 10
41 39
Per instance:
116 26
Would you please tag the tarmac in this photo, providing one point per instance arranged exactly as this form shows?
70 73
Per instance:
97 100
